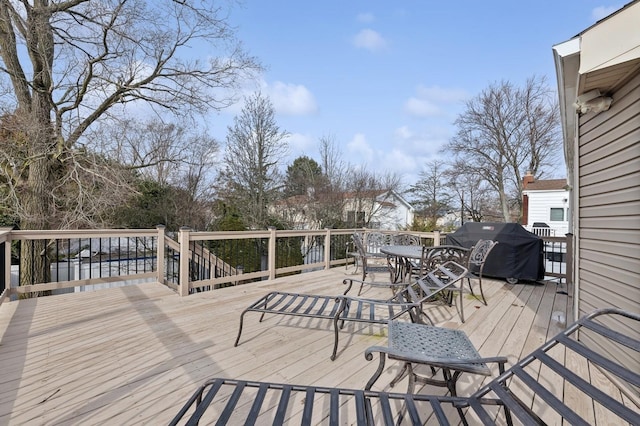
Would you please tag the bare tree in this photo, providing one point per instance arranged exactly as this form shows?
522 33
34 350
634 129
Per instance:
85 58
331 206
367 194
352 189
471 193
506 131
323 205
332 164
178 160
196 177
432 198
255 147
155 148
70 63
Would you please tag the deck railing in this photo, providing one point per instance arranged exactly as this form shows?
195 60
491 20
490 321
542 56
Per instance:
50 262
188 261
558 258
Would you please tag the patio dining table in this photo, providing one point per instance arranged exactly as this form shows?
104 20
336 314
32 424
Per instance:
402 259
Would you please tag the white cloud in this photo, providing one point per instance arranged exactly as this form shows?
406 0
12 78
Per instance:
403 132
365 17
287 98
291 99
437 93
603 11
420 108
359 147
399 161
370 40
422 144
300 144
429 101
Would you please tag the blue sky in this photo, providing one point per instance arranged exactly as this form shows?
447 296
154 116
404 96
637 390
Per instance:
387 79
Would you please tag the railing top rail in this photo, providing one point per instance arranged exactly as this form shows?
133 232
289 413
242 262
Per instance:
80 233
311 232
227 235
554 239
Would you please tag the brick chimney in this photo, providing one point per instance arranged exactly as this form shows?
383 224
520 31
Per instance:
527 179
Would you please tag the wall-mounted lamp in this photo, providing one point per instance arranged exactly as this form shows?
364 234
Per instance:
592 101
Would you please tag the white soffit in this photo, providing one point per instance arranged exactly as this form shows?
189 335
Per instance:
613 41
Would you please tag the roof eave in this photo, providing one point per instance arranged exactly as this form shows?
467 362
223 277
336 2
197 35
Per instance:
567 61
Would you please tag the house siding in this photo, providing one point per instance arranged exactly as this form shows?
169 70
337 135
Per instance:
608 218
540 205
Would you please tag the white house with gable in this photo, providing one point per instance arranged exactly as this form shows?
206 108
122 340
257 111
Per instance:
545 206
391 211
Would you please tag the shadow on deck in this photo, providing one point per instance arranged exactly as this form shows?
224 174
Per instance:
135 354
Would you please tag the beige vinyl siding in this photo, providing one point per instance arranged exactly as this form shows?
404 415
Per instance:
609 210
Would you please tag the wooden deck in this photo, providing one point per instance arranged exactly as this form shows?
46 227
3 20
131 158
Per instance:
133 355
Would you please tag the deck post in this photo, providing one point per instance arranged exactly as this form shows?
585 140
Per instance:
327 249
5 239
436 238
183 278
160 254
271 259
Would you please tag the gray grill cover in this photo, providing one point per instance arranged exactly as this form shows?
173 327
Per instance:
519 253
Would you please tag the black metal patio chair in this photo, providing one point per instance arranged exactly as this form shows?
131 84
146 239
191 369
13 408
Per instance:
371 259
476 260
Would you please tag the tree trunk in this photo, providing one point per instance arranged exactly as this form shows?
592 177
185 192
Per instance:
504 202
38 202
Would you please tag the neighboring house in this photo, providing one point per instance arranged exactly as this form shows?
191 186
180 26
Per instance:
298 211
449 220
384 209
598 74
545 202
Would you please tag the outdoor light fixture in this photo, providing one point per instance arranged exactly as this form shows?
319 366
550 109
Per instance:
592 101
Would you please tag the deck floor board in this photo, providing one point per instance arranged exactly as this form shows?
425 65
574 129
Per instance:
135 354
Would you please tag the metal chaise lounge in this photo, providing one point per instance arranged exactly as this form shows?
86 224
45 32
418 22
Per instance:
340 309
519 393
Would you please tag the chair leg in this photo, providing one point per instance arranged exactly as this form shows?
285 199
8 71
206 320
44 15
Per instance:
479 285
405 370
240 328
412 378
378 372
470 286
461 304
484 300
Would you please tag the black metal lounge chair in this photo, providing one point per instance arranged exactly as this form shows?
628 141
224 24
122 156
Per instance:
339 309
224 401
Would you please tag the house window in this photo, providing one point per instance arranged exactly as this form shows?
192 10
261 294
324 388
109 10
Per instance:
355 218
557 214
